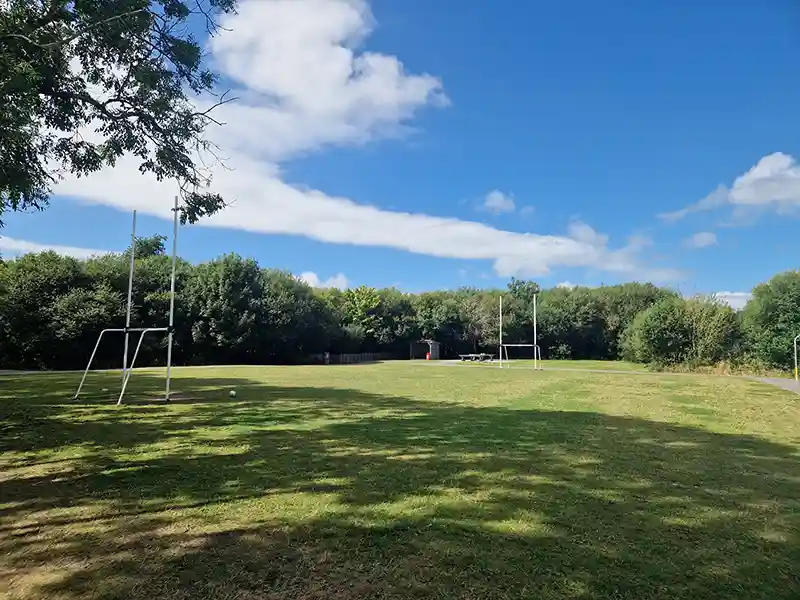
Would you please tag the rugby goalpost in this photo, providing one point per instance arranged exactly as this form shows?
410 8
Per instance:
503 348
142 331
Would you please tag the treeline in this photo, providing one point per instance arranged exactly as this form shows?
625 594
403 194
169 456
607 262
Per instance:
231 311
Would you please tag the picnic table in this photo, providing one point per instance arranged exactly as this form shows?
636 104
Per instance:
479 357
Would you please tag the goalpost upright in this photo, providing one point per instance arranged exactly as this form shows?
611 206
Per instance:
501 332
130 297
537 354
127 330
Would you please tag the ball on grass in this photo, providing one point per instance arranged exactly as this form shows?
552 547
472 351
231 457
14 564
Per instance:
232 393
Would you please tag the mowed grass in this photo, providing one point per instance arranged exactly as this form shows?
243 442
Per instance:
598 365
405 480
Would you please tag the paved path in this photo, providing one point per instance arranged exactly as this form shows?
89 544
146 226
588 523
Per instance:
786 384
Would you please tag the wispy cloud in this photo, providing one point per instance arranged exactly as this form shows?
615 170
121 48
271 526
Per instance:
14 247
338 281
702 239
736 300
496 202
304 85
772 184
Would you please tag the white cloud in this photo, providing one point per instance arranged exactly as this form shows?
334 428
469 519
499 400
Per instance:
13 247
581 232
496 202
702 239
566 284
338 281
304 85
736 300
773 183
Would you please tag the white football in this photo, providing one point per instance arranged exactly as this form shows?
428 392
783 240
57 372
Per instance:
232 393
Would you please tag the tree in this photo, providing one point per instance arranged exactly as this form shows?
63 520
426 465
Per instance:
571 324
77 318
620 305
360 306
771 319
230 310
296 322
395 326
523 291
149 246
661 334
438 317
125 68
480 318
33 285
715 328
224 302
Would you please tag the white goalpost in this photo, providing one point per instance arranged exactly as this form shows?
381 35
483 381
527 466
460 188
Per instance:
142 331
503 347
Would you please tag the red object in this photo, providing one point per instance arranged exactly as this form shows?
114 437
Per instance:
427 356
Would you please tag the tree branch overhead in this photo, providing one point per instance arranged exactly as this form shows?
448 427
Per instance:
127 66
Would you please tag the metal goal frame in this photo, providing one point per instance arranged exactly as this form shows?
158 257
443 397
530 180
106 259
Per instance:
503 347
143 331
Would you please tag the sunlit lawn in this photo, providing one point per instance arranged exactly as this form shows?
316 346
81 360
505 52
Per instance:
405 480
603 365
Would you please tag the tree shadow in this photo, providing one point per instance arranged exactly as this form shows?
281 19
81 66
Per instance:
405 499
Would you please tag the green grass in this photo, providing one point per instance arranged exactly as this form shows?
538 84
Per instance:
400 481
611 365
604 365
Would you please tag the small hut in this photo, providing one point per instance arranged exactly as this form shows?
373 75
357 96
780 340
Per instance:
432 349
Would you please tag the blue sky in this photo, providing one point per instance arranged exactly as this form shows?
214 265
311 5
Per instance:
413 144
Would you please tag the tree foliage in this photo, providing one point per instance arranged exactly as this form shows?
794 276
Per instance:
696 331
659 334
771 319
125 72
230 310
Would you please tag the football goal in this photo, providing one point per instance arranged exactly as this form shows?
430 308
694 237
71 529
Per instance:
169 329
528 350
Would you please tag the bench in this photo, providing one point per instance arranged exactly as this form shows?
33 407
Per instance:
481 357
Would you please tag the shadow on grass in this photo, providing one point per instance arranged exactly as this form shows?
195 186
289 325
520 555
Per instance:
429 500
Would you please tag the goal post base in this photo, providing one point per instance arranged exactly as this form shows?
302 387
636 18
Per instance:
126 372
537 354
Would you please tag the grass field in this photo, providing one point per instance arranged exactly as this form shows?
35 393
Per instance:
603 365
400 481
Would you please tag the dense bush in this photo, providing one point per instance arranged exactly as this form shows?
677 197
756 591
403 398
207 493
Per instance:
694 332
660 334
715 332
771 319
230 310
